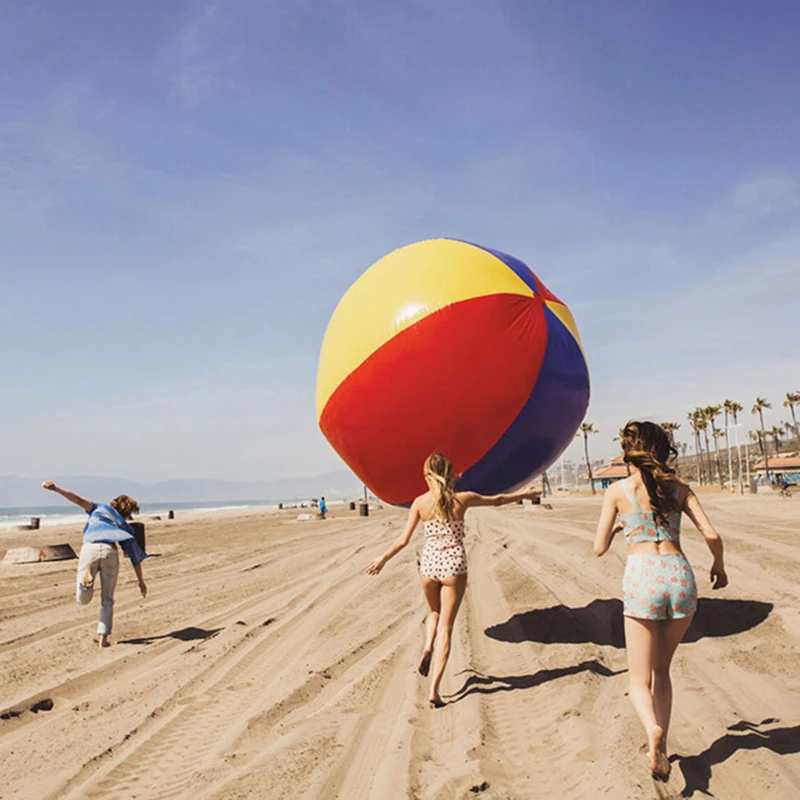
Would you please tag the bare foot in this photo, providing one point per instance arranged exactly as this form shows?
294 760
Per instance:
659 763
87 579
104 641
436 701
425 663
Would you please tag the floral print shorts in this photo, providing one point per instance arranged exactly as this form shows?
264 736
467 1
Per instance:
659 587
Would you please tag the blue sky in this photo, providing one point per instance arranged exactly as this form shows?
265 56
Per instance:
187 188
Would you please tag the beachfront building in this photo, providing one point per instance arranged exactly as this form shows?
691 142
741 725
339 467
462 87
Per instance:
785 467
616 470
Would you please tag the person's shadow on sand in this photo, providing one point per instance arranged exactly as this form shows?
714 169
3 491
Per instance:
492 684
601 622
184 635
697 769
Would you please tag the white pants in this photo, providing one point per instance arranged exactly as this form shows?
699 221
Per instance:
102 558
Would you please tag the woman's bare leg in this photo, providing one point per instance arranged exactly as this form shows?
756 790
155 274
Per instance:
671 634
452 592
431 589
641 644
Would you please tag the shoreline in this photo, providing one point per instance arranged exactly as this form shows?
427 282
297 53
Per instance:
55 520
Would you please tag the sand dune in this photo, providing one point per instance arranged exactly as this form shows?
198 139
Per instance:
263 664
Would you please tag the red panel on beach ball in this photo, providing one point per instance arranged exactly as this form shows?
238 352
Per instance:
454 381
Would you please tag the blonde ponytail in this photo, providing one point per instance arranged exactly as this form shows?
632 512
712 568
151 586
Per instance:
438 473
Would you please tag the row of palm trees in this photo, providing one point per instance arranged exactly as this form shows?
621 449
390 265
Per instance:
703 418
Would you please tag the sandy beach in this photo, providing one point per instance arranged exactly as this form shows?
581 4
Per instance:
264 664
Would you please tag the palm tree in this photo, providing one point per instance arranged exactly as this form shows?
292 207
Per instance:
792 400
776 432
620 435
719 435
760 404
726 407
694 425
735 408
670 428
711 414
702 424
586 429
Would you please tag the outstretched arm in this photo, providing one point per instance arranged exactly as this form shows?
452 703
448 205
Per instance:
698 516
399 543
473 499
86 505
605 525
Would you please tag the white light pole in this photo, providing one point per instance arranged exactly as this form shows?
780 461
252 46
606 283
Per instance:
747 461
730 465
736 427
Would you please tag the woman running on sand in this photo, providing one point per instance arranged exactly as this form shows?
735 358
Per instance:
659 589
105 528
443 564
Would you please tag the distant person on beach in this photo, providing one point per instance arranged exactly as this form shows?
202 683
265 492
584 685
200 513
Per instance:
323 508
443 564
659 589
106 527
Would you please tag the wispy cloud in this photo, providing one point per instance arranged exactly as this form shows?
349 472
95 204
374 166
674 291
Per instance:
767 194
202 57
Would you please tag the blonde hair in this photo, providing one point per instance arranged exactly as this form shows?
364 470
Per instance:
125 505
438 472
648 447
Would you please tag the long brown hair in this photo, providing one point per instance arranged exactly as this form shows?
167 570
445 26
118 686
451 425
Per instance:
648 446
439 476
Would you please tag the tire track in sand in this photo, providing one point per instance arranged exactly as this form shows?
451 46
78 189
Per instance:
189 732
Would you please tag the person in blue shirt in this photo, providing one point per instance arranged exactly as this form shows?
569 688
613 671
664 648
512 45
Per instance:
106 528
323 508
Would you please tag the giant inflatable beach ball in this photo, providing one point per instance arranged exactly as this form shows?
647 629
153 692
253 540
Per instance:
446 346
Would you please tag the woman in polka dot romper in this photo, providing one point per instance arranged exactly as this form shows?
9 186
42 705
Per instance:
660 593
443 564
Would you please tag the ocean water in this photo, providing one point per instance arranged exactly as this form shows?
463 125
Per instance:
67 513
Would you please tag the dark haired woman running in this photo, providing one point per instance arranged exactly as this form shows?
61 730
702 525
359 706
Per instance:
659 589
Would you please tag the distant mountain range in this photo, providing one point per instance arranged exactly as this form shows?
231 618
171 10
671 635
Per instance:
340 485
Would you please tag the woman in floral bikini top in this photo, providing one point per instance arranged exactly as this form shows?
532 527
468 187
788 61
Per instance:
659 588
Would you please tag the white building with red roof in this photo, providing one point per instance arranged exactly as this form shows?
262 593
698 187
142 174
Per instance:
616 470
781 468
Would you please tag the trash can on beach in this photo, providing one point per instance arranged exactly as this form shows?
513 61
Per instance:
352 506
35 523
363 509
